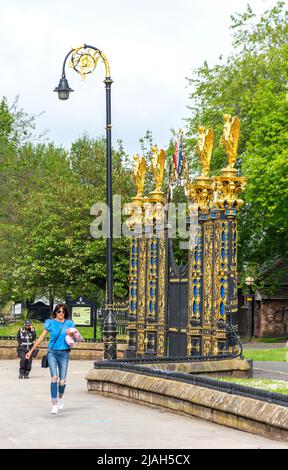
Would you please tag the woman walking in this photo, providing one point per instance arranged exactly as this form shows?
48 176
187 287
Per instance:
58 352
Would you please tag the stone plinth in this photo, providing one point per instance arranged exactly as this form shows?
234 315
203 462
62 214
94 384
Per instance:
229 367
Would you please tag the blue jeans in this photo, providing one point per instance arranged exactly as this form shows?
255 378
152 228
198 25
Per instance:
58 362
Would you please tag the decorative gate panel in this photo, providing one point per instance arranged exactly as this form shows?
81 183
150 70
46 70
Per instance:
177 308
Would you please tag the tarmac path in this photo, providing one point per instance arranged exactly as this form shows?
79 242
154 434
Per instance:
91 421
270 370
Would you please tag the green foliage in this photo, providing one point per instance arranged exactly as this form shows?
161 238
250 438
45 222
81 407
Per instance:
16 126
6 121
252 84
46 196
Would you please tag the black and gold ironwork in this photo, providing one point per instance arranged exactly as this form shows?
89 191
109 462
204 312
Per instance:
187 310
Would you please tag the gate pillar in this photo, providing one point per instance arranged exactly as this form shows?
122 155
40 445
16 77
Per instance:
212 289
146 320
200 274
227 187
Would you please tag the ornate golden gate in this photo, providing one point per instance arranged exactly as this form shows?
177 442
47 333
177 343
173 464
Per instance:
185 311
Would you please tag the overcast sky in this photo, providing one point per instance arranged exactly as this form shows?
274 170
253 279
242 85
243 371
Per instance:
152 45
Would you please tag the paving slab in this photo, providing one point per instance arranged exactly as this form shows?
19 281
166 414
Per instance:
91 421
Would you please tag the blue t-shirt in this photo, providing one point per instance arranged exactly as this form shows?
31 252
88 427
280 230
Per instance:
54 327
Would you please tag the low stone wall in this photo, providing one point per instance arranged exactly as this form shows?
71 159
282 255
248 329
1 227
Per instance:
228 367
85 351
246 414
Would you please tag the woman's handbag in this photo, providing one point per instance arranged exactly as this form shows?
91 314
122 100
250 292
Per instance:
35 352
44 361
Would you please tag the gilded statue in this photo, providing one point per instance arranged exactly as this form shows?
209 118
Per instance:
157 166
230 138
139 172
204 148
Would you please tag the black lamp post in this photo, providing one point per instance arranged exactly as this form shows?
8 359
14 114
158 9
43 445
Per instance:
249 281
84 60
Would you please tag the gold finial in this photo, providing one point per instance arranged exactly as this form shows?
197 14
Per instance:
139 172
84 60
157 166
230 138
204 148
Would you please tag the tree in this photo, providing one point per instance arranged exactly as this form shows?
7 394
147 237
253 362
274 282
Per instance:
252 84
46 196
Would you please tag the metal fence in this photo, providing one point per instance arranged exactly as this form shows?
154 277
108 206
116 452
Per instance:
121 316
202 381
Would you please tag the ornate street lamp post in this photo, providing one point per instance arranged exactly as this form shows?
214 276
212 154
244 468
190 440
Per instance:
84 60
249 281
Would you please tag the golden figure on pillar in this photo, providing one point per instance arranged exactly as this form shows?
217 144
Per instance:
157 166
157 170
139 172
200 190
204 148
230 139
134 209
229 186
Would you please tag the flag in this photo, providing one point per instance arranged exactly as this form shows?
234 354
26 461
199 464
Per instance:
178 155
175 156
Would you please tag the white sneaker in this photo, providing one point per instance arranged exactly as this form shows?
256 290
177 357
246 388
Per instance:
60 404
54 410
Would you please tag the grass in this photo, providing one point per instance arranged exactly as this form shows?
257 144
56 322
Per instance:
88 332
265 340
277 355
278 386
270 340
12 328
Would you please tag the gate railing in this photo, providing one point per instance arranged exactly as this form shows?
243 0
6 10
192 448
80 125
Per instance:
120 311
121 316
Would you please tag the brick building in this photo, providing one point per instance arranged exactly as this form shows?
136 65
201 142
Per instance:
269 314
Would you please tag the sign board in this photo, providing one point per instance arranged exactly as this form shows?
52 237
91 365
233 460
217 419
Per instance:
18 309
81 315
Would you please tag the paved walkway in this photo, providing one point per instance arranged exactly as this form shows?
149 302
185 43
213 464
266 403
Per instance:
258 345
92 421
270 370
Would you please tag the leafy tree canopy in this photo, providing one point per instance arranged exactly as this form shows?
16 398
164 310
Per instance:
46 197
252 84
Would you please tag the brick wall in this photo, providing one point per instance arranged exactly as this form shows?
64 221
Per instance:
271 318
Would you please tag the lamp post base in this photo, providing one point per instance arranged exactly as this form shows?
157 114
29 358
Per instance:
109 337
